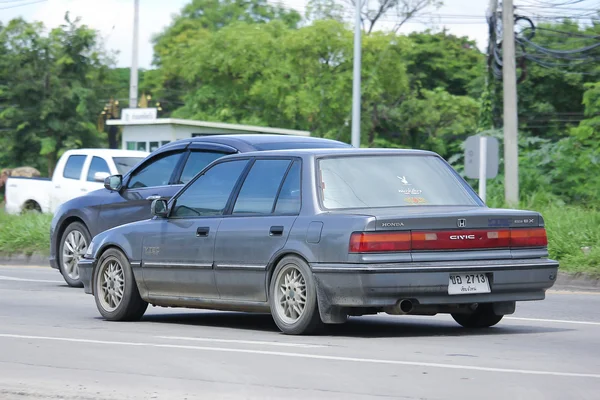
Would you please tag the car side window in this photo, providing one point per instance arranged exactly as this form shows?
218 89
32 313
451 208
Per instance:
209 194
260 188
289 201
73 167
97 165
157 173
196 162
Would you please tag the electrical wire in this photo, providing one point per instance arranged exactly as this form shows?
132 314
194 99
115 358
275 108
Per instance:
22 4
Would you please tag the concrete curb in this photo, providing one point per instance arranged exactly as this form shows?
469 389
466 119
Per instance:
24 259
575 282
564 281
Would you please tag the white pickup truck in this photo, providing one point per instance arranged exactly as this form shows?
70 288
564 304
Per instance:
77 172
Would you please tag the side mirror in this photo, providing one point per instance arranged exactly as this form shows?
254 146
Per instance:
113 182
159 208
101 176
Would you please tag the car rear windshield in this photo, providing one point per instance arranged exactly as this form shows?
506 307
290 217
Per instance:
389 181
124 164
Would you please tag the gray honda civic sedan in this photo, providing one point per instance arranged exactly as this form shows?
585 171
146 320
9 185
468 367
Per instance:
314 236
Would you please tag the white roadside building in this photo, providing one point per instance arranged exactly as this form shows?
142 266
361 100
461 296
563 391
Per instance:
143 131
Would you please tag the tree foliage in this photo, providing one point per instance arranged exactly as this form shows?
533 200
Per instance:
51 91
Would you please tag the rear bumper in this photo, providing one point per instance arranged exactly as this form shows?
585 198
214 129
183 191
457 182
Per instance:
86 268
382 285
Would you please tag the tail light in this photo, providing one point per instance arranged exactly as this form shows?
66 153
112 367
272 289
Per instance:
379 242
529 237
364 242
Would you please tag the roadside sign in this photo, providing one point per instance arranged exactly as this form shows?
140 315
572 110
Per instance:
481 160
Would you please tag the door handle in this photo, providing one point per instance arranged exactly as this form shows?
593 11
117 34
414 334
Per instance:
83 189
202 231
154 197
276 231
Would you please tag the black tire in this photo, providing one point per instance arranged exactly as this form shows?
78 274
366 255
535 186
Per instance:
310 320
131 306
482 317
81 229
31 206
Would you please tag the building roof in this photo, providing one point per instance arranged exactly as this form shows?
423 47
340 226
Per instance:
206 124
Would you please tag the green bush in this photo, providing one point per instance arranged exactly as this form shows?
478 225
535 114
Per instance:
27 233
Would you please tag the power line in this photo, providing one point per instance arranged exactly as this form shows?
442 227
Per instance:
22 5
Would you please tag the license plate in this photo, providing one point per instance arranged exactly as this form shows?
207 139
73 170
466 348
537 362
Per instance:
468 284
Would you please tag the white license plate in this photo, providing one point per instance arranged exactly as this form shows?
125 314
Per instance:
468 284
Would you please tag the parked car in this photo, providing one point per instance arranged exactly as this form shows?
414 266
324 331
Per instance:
313 236
77 173
127 198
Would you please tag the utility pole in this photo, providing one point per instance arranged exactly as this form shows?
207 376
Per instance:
509 84
133 77
356 78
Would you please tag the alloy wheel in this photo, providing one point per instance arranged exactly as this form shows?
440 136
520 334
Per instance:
111 284
291 292
74 248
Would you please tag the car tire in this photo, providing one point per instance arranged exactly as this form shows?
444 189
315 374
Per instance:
77 235
113 277
293 276
482 317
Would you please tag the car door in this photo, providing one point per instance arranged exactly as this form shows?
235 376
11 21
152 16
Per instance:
69 184
177 258
176 167
97 165
151 180
257 228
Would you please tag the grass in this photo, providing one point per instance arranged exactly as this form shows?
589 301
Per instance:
28 233
569 229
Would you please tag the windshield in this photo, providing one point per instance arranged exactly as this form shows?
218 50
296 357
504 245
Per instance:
124 164
389 181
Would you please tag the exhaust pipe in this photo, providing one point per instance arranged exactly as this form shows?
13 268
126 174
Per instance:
406 306
403 306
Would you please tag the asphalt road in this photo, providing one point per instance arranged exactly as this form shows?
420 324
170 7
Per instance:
54 345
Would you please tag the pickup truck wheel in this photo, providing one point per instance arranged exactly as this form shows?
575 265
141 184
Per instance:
293 297
115 290
73 245
482 317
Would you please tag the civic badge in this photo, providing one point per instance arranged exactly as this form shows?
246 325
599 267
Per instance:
462 222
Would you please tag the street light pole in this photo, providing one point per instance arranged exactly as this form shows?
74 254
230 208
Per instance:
133 77
356 78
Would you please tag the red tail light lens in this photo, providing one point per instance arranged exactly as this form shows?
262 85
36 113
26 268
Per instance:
379 242
460 240
528 237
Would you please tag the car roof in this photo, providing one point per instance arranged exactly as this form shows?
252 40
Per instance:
254 142
324 152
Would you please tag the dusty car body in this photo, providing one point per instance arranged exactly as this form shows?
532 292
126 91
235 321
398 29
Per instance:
160 175
314 236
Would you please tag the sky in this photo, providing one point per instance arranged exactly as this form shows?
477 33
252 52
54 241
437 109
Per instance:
114 19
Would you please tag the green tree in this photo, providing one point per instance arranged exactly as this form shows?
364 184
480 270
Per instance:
550 96
53 91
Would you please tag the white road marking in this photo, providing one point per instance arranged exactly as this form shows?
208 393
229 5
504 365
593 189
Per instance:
312 356
284 344
12 278
559 321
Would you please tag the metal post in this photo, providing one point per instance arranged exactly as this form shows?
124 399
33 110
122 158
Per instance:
482 167
356 78
509 80
133 77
